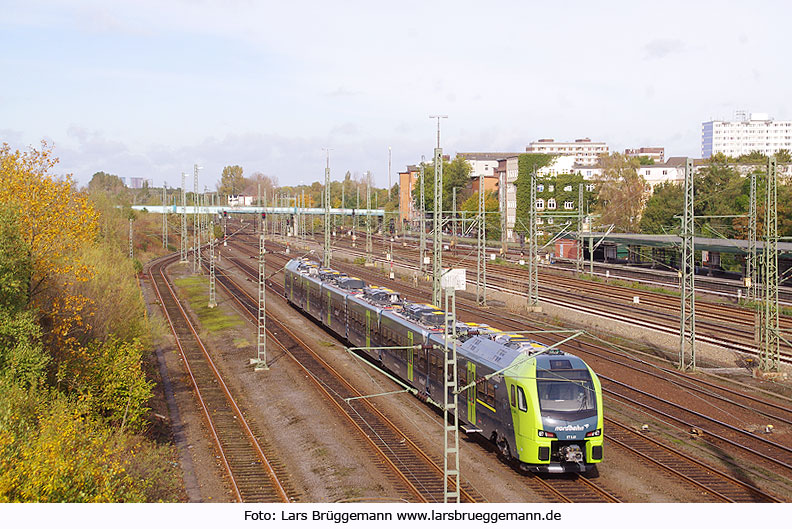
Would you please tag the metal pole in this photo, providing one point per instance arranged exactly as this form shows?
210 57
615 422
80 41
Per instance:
212 294
687 332
751 276
422 220
451 431
389 173
503 212
183 258
327 249
368 218
196 228
533 251
481 273
579 262
769 358
453 218
164 216
437 241
437 262
261 340
131 255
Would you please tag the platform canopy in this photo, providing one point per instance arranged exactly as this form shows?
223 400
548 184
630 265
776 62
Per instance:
734 246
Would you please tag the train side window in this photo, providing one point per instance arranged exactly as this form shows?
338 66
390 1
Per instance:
513 399
521 403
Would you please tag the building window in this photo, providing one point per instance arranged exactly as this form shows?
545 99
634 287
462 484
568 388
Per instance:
551 203
539 188
550 220
589 187
551 188
569 204
567 188
539 203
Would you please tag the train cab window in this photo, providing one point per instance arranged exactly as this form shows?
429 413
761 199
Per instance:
521 402
513 399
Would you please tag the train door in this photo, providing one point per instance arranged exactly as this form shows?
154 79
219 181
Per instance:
368 328
329 307
517 403
471 393
410 355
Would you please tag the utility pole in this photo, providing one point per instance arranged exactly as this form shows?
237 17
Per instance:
261 341
327 250
196 228
212 295
533 251
183 258
769 358
258 204
751 261
579 262
131 255
368 219
451 431
453 218
389 173
687 331
422 220
356 210
481 273
164 216
437 265
503 214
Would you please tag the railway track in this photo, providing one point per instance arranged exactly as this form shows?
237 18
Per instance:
253 473
718 485
758 445
716 324
568 489
421 476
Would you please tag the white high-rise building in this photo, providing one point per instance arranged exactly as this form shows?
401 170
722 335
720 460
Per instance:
747 133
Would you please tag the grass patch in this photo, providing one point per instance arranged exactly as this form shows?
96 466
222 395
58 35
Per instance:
196 291
239 343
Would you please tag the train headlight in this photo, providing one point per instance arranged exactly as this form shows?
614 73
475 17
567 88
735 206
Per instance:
542 433
595 433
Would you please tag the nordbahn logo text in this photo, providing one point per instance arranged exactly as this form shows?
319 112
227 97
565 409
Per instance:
571 428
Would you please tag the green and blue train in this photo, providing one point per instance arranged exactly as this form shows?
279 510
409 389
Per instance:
543 408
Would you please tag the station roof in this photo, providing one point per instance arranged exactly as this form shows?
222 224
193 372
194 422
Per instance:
735 246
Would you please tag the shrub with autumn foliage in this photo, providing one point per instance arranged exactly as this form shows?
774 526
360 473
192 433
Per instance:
73 332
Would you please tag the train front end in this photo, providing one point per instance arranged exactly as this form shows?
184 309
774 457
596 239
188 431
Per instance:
557 413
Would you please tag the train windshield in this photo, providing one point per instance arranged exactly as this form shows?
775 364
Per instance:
567 394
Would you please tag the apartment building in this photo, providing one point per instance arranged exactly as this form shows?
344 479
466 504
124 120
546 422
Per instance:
747 133
585 151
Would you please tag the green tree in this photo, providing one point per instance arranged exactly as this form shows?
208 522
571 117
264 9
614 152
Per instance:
232 182
106 182
622 192
456 174
491 206
666 201
646 160
718 188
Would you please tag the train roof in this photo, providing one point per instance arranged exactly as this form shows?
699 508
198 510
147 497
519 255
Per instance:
496 356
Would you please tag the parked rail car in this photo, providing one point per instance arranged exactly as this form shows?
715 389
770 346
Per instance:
542 408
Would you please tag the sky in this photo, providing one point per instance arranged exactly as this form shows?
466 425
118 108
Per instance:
150 88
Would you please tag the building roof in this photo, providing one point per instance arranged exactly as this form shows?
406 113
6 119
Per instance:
488 155
736 246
